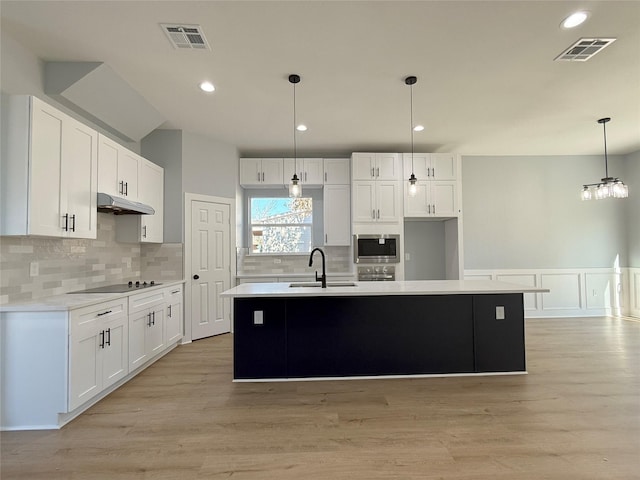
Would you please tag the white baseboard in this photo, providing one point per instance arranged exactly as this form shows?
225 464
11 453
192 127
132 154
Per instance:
576 292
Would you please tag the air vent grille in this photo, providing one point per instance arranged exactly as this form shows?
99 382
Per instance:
584 49
188 37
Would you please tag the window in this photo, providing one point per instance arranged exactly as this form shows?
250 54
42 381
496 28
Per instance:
281 225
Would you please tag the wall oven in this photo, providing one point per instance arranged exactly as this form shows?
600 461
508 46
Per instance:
379 248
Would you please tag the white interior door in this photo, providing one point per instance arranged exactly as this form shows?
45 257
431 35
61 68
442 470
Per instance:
210 268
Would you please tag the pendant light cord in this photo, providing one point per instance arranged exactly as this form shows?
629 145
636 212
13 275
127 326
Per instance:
411 126
606 162
295 145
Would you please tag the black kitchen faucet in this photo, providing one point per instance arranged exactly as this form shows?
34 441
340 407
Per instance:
323 278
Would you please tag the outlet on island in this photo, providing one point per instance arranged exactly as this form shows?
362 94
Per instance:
277 260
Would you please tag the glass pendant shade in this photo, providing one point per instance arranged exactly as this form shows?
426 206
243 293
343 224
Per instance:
609 187
295 189
413 188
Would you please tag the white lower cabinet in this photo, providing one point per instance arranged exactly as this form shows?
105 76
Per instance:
173 320
146 327
98 349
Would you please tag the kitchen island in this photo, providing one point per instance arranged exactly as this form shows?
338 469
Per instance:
372 329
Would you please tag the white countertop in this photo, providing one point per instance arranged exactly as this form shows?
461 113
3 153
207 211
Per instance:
70 301
418 287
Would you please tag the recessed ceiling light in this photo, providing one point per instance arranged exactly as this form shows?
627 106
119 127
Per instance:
418 128
301 128
575 19
207 87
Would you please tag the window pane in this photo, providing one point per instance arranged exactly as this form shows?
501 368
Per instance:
282 210
281 239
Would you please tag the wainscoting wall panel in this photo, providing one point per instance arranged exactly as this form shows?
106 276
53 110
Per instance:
586 292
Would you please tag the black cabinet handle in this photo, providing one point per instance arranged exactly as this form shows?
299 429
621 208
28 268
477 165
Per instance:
175 291
144 232
153 318
104 313
66 222
109 336
73 225
122 188
169 311
148 319
126 189
196 277
102 339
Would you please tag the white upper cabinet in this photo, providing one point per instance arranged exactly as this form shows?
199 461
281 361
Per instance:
337 218
49 171
118 169
310 171
337 171
431 166
375 166
261 172
145 228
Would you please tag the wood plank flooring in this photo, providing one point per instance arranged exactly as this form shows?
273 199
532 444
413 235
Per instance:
575 416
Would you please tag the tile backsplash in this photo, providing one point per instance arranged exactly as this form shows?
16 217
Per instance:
65 265
338 260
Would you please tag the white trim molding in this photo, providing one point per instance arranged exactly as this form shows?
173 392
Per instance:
574 292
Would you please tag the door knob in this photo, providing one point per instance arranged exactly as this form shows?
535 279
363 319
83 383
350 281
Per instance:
196 277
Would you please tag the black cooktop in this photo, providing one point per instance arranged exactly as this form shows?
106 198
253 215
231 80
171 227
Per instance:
120 287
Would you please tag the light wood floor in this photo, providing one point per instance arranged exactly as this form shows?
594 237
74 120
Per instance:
575 416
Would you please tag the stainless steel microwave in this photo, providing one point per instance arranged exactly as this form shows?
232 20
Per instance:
381 248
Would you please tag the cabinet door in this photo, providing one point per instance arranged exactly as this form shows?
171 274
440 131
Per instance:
337 218
152 193
388 208
128 166
173 320
85 368
108 152
155 332
363 166
312 171
115 353
388 166
443 199
416 206
421 166
138 325
444 166
336 171
80 178
272 171
250 171
45 178
364 201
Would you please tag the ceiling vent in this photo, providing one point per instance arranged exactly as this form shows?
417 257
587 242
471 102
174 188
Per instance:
186 37
584 49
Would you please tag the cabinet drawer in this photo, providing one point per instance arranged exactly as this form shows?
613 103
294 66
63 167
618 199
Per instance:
143 301
173 292
102 311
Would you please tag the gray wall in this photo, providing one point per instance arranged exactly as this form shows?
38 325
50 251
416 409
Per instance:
526 212
424 241
632 179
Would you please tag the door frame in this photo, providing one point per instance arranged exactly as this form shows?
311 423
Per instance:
188 199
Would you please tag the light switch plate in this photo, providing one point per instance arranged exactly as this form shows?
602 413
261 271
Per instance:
258 317
34 269
499 312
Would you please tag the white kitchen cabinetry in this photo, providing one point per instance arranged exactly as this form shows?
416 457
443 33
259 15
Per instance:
337 171
173 323
310 171
146 327
261 172
98 349
337 215
431 166
437 198
374 201
49 171
375 166
118 169
145 228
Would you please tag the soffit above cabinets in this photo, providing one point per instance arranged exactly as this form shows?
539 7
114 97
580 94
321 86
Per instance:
95 91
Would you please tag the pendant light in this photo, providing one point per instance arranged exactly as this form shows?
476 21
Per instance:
413 188
608 187
295 189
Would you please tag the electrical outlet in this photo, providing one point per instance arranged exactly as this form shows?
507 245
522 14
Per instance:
258 317
277 260
127 262
34 269
407 257
499 312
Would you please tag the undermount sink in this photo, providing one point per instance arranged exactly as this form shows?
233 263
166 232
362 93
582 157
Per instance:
329 284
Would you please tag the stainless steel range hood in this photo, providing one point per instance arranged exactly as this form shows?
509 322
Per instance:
122 206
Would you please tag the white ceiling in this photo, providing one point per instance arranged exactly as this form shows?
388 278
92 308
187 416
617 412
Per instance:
487 82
